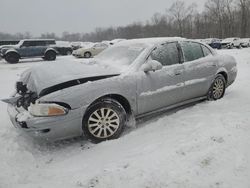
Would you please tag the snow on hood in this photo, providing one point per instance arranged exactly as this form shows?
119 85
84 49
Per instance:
8 46
50 74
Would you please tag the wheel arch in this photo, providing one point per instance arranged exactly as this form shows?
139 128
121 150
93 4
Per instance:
224 74
12 51
119 98
50 49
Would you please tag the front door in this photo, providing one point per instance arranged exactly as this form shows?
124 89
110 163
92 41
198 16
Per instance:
164 87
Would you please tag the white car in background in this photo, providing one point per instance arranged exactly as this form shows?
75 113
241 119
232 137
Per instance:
231 43
77 45
245 42
90 51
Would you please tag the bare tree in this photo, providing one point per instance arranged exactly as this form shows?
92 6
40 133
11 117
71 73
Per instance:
220 19
180 12
216 8
244 9
229 18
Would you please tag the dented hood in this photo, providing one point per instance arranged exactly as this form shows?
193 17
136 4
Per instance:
50 74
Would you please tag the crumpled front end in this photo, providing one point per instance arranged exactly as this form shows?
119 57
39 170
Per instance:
42 127
46 128
41 106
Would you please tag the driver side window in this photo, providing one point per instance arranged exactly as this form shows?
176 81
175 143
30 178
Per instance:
26 44
166 54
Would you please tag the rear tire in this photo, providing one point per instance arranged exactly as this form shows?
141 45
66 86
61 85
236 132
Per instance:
104 120
12 58
217 89
50 56
87 55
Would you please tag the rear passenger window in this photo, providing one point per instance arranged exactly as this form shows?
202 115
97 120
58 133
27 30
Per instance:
26 43
166 54
206 51
33 43
50 42
41 43
192 51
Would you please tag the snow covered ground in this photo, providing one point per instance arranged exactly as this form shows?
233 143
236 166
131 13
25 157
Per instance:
201 146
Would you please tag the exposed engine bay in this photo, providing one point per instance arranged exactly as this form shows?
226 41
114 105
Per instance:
26 97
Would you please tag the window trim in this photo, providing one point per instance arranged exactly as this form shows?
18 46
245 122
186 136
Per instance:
202 45
184 59
177 46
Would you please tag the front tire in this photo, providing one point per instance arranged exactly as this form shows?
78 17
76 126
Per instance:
217 89
87 55
104 120
12 58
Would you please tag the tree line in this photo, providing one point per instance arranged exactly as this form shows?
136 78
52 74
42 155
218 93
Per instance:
219 19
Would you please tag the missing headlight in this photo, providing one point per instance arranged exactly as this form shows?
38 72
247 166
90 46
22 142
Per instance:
21 88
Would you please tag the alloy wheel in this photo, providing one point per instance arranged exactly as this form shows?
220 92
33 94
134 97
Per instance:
103 123
218 88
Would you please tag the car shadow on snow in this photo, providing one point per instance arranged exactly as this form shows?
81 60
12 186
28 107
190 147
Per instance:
144 121
22 61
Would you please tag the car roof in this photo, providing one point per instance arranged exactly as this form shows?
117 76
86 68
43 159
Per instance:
150 41
38 40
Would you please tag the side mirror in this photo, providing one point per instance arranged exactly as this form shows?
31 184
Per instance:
151 65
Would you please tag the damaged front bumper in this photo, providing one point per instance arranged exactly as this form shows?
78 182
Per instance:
47 128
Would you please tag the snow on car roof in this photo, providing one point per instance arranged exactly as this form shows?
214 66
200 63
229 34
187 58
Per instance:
149 41
37 40
63 44
230 39
245 39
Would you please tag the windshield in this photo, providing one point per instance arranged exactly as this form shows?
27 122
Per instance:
244 40
228 40
120 55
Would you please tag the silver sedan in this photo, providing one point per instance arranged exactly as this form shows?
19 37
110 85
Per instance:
133 78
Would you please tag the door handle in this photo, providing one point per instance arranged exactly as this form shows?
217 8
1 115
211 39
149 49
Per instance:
212 65
177 73
179 84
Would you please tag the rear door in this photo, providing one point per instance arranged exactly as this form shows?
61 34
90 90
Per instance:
39 48
200 69
163 87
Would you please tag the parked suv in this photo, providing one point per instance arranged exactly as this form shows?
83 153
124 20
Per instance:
29 48
213 42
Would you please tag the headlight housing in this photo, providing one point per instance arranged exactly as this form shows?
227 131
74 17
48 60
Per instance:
47 109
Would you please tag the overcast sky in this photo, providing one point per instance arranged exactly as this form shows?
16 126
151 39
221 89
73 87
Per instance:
41 16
